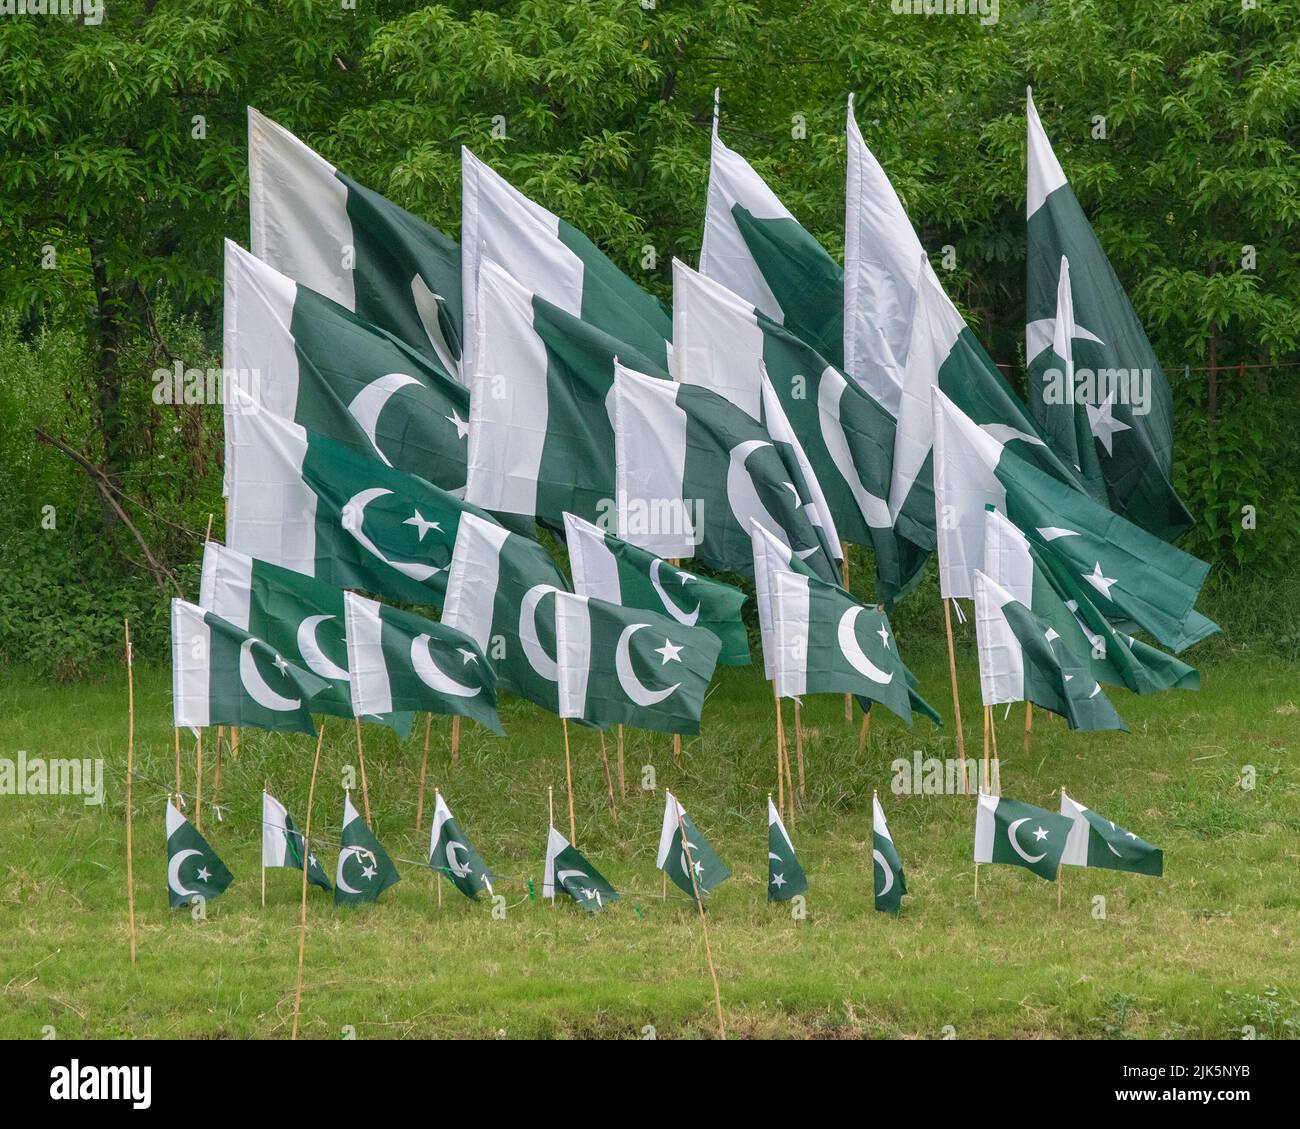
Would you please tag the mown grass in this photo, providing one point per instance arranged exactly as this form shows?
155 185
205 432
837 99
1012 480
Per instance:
1206 951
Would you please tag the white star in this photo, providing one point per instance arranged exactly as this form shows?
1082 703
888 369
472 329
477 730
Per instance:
1040 834
204 874
1103 424
884 635
669 651
778 880
417 520
1098 581
469 656
699 869
312 860
280 664
684 576
462 426
369 872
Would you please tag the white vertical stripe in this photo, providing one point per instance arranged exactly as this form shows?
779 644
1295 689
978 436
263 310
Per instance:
555 843
815 506
1045 174
770 556
790 618
878 824
591 562
1076 845
1007 561
573 651
472 578
226 587
985 827
256 331
1002 660
672 810
717 342
191 666
275 835
367 668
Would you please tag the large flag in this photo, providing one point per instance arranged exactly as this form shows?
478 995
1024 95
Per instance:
222 675
541 438
551 259
364 871
193 868
452 855
321 228
1032 574
755 247
680 856
282 843
1127 410
501 591
630 666
1131 574
303 356
887 868
402 661
1098 842
1022 659
785 877
609 569
299 616
566 869
1020 834
692 469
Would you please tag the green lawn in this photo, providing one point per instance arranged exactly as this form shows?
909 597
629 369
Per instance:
1210 948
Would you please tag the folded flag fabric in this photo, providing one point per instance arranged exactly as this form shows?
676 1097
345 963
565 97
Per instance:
222 675
303 356
1022 658
1126 430
193 869
887 867
567 870
321 228
404 662
630 666
612 570
785 877
452 855
1098 842
282 843
688 860
364 869
1008 831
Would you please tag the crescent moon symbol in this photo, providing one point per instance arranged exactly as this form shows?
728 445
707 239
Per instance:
627 678
352 518
1011 837
367 405
563 876
432 675
848 641
741 495
687 618
344 855
256 685
532 645
889 874
174 872
316 659
459 869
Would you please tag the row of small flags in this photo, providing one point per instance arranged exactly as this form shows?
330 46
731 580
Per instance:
1006 831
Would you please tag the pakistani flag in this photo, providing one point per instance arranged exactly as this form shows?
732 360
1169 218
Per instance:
326 231
193 869
402 661
1098 842
302 356
282 842
568 870
1117 415
1020 834
299 616
222 675
681 858
501 592
612 570
541 440
1022 659
630 666
551 259
451 854
785 877
1035 577
755 247
1130 574
692 470
365 871
888 867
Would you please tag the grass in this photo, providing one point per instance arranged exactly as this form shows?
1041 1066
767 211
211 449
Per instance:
1206 951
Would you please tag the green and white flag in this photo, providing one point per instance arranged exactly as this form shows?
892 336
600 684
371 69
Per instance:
551 259
887 869
689 862
612 570
785 877
1130 574
630 666
756 248
193 868
1035 577
297 615
567 870
692 470
222 675
402 661
303 356
541 438
452 855
1098 842
1008 831
1022 659
1119 415
282 843
364 870
501 593
321 228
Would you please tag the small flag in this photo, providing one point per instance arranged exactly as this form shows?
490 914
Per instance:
568 870
888 867
452 855
1020 834
282 843
1098 842
365 870
785 877
709 870
193 868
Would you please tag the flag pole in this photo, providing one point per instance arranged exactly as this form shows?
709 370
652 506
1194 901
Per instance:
550 815
1060 875
130 771
568 781
864 734
1029 723
306 866
198 781
436 794
704 923
988 711
789 783
993 728
844 570
956 702
176 733
286 839
361 758
622 780
609 780
780 767
424 768
216 775
677 737
798 744
455 740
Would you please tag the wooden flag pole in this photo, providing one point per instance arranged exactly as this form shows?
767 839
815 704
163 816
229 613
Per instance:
677 749
198 782
568 783
424 768
864 734
234 743
130 772
361 758
993 728
1029 723
956 702
306 866
704 921
550 815
609 780
286 836
455 740
622 780
780 767
1060 875
436 794
216 775
988 714
798 744
844 570
176 733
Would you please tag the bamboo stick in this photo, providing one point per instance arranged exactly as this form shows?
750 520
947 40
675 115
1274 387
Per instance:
704 923
609 780
306 866
424 768
361 758
568 784
956 701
